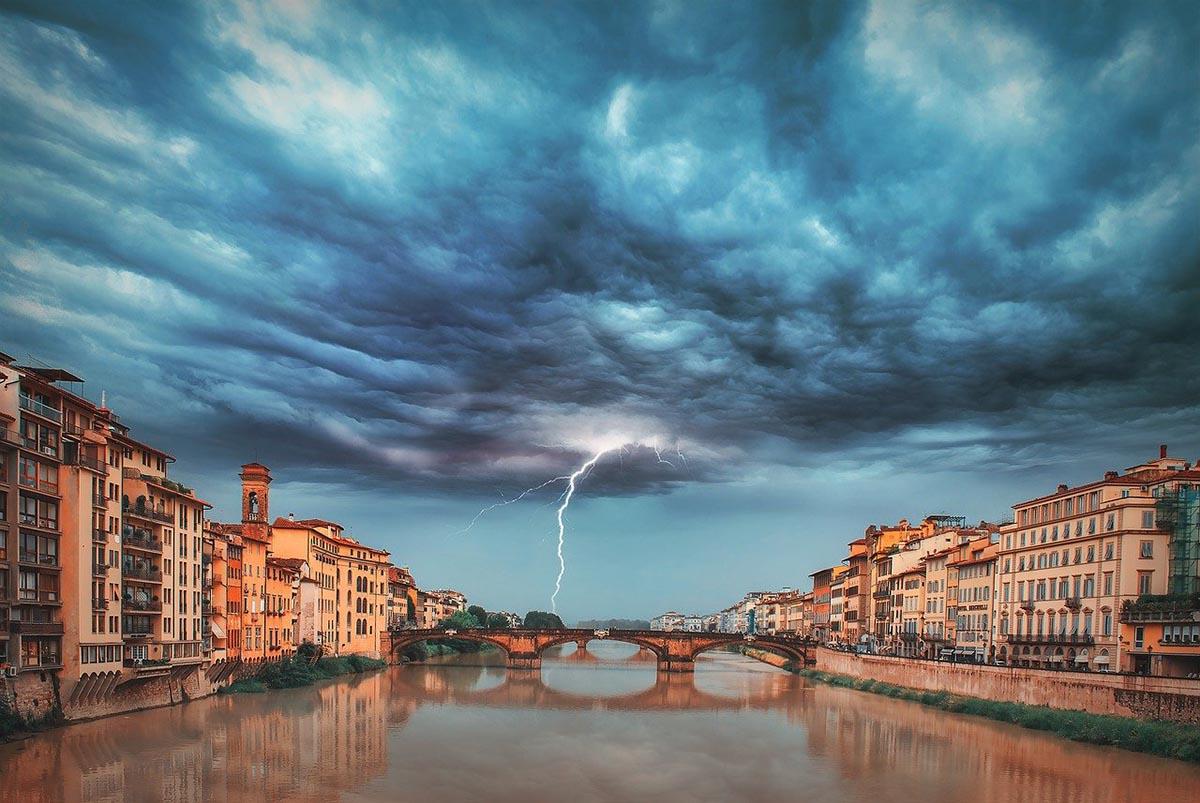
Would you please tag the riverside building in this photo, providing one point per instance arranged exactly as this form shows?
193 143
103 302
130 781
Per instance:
1077 566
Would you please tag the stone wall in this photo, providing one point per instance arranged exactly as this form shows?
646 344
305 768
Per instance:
1173 699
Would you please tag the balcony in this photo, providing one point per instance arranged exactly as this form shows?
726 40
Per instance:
162 482
1085 639
41 561
99 569
1161 609
138 634
41 486
44 596
35 628
42 522
143 512
99 536
141 605
11 436
32 405
1026 605
136 538
881 595
1171 640
145 573
1072 603
74 430
90 461
99 500
99 604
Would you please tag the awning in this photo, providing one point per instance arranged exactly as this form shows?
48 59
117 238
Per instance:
1102 659
1081 659
217 630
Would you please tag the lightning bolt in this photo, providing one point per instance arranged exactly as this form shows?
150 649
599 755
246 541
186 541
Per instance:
565 502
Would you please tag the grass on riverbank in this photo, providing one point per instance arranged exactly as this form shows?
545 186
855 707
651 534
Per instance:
1167 739
297 671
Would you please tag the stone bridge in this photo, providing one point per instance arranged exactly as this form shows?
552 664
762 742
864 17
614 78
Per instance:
675 651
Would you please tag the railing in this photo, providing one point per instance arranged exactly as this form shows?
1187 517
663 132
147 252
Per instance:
139 633
99 569
38 408
99 500
142 572
1180 639
34 595
38 485
147 513
87 461
1072 602
141 605
1049 638
39 560
100 536
39 521
72 429
1183 613
141 539
11 436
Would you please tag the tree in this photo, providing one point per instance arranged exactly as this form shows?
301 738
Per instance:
496 621
479 613
544 620
461 620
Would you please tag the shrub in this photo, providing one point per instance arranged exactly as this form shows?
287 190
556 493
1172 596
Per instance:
245 686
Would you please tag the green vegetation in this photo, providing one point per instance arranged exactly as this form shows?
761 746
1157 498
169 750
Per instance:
1168 739
481 616
496 621
541 619
300 670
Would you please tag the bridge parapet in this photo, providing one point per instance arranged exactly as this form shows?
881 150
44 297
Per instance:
675 651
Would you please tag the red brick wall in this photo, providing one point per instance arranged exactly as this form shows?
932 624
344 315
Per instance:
1174 699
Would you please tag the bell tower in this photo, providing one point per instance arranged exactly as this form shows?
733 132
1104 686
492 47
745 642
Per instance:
256 481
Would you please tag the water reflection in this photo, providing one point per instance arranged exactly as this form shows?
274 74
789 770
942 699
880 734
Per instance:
595 725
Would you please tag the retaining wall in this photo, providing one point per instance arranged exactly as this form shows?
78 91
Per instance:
1173 699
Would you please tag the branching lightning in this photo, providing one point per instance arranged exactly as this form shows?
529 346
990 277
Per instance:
564 501
562 508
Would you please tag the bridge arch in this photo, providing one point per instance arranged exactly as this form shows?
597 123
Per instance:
401 642
781 647
641 643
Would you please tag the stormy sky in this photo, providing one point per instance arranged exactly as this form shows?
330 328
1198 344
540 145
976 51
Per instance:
813 265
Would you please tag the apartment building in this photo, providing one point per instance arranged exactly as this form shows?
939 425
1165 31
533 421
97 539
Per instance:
1073 560
439 605
856 593
403 597
973 598
101 556
821 580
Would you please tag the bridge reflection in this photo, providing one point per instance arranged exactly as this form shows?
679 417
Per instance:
495 687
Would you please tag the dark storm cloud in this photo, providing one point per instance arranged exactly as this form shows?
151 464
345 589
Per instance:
465 246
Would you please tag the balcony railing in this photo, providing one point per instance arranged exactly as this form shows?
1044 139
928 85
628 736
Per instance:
99 500
142 573
35 628
73 430
141 539
49 561
11 436
99 604
99 569
147 513
1072 602
38 408
42 486
99 536
1050 638
88 461
35 595
42 522
141 605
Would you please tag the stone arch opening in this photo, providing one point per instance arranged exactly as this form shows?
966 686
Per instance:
401 644
642 645
791 654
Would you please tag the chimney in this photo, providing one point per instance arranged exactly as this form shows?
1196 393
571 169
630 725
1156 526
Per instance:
1110 475
291 517
1062 487
1162 451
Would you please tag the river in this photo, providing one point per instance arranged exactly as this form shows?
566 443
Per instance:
596 725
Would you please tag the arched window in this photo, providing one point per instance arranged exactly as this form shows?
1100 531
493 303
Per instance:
252 504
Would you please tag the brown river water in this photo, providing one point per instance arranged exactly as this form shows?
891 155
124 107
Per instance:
592 726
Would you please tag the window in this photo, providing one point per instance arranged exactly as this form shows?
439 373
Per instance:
1111 522
1147 519
1147 549
1144 582
1139 637
1107 624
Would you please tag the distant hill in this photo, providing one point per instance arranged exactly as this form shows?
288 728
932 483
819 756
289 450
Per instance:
613 624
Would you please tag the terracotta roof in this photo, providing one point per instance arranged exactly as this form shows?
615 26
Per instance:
294 564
